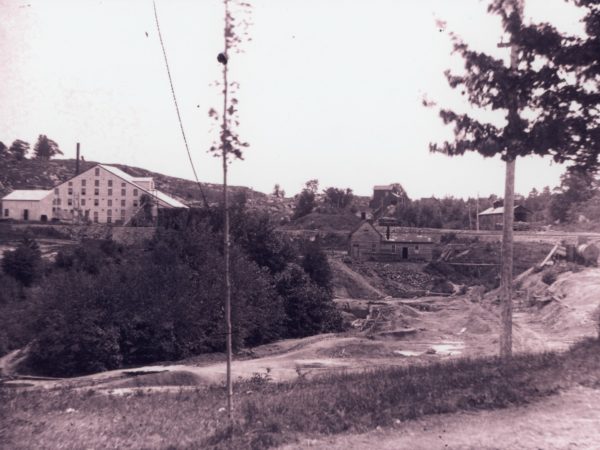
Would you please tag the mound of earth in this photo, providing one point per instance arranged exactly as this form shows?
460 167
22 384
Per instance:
348 283
340 221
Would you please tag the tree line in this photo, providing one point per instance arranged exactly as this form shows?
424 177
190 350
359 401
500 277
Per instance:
44 149
576 199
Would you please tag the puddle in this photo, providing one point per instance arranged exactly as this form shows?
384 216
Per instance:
449 348
407 353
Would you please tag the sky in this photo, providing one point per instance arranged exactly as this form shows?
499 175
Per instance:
329 89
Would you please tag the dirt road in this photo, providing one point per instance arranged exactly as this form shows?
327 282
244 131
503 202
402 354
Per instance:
570 420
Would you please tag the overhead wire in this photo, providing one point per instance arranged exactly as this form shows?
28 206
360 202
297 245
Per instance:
187 147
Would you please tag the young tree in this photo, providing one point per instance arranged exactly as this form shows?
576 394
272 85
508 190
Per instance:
19 149
306 200
24 262
46 148
277 192
230 145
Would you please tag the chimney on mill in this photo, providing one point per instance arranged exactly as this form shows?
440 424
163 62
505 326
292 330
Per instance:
77 161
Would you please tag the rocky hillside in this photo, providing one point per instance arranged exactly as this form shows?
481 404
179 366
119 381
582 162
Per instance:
38 174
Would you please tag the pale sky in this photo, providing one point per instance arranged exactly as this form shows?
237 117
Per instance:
329 89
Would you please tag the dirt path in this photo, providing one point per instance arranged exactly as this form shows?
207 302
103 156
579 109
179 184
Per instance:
570 420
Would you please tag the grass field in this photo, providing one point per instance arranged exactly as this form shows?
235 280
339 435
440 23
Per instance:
183 415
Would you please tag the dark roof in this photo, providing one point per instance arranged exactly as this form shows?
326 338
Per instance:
397 236
500 210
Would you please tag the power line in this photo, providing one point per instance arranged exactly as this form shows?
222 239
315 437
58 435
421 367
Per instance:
187 148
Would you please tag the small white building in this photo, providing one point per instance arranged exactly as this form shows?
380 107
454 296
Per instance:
101 194
30 204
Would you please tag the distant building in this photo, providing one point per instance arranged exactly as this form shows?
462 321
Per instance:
102 194
383 196
31 204
385 199
387 243
493 218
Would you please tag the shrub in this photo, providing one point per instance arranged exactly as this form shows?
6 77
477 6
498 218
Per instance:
23 263
447 237
549 276
308 307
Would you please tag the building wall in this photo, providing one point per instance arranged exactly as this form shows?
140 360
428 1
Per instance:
36 209
491 222
413 251
99 195
364 241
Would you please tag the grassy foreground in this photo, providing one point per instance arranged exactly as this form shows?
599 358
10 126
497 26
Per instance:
269 414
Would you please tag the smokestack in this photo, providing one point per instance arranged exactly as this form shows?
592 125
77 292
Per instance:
77 161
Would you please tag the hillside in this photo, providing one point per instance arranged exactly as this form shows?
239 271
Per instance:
37 174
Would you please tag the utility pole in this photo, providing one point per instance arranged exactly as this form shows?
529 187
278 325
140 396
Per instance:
469 214
509 203
477 213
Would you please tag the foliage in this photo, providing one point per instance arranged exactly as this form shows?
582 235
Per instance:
46 148
306 200
576 187
549 276
308 307
23 263
569 119
16 315
562 122
3 150
19 149
338 198
277 191
315 264
104 307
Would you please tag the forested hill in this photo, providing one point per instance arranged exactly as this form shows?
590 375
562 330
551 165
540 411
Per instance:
44 174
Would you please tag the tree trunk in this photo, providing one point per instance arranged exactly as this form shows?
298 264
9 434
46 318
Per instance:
507 261
507 228
227 288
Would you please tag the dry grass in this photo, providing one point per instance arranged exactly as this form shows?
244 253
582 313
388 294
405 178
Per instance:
269 414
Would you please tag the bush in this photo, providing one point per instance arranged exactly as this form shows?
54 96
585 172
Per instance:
23 263
549 276
447 237
308 307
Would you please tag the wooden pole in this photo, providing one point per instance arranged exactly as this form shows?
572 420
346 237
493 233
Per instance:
477 213
507 261
507 228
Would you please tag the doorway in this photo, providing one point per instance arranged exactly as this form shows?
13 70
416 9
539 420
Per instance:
25 214
404 252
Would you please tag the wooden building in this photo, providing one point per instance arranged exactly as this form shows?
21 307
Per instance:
386 243
493 218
